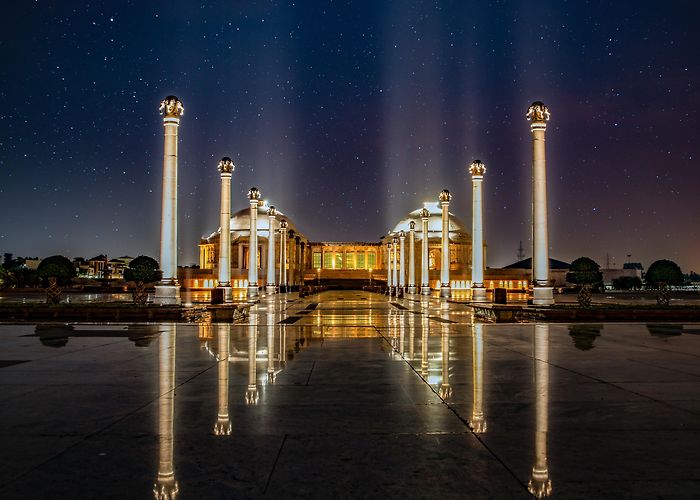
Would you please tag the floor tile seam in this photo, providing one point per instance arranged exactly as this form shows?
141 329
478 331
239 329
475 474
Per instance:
611 384
675 370
466 424
99 431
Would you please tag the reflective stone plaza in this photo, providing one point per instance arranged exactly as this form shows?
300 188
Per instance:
347 394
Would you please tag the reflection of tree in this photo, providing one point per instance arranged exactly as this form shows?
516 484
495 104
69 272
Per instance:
584 335
665 330
58 335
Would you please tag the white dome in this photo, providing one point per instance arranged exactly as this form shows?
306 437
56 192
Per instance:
434 222
240 223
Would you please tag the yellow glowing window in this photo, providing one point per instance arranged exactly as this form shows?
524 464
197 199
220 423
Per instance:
317 260
328 260
360 260
372 260
338 261
350 260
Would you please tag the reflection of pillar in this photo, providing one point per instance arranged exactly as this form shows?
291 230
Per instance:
402 333
424 276
166 486
389 284
168 290
226 168
283 255
538 114
445 198
540 485
445 390
477 169
478 423
395 261
270 286
411 335
402 260
254 197
223 423
271 346
425 324
412 257
251 395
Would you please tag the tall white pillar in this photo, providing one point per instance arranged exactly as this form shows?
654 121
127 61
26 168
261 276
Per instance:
424 274
271 214
166 486
412 258
254 197
477 169
478 422
223 421
168 290
251 393
445 198
283 256
538 114
389 284
540 484
226 168
395 262
402 260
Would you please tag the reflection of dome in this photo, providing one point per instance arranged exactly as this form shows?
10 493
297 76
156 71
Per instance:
434 222
240 222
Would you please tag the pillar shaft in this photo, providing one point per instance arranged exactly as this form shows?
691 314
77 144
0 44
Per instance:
271 253
412 260
394 270
445 254
388 266
402 262
540 261
283 258
168 227
477 234
424 275
225 237
253 250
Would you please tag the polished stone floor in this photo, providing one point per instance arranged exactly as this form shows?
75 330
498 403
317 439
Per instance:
345 395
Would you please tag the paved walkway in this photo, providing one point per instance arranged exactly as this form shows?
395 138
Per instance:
349 396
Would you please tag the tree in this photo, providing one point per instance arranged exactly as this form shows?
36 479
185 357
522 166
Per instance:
663 271
585 272
56 266
142 270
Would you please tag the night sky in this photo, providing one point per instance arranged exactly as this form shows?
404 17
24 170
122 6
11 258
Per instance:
347 115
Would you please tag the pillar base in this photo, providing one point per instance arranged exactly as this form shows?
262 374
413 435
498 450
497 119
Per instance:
412 289
425 290
252 292
167 295
270 289
543 296
392 290
479 295
228 293
445 291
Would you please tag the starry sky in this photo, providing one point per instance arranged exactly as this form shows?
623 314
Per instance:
348 115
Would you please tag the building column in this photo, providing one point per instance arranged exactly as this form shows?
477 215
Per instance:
412 258
297 260
445 198
168 290
477 169
270 286
478 422
166 486
543 294
223 422
292 258
226 168
540 484
283 256
302 263
402 261
395 261
425 271
389 284
254 197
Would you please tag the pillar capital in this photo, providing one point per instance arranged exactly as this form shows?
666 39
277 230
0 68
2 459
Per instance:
402 235
283 225
444 196
226 166
254 195
412 225
171 108
539 115
425 214
394 240
477 169
272 212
